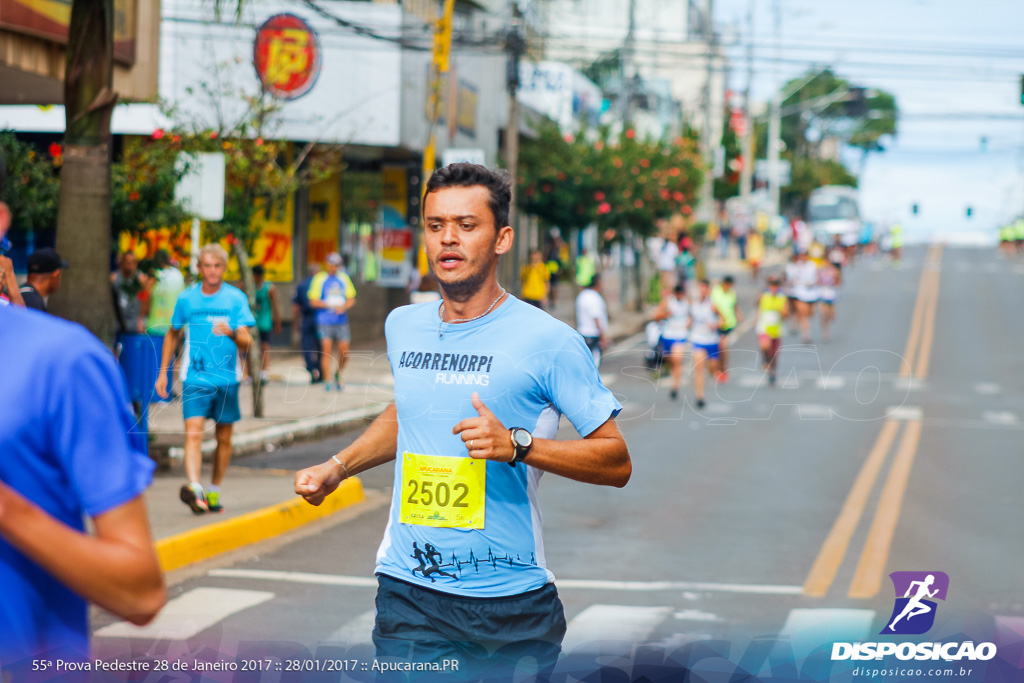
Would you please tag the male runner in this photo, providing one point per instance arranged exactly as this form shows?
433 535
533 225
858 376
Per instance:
480 383
216 317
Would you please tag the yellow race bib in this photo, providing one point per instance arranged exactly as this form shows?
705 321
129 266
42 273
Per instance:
441 491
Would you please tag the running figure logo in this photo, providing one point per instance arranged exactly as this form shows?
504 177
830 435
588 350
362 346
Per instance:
914 612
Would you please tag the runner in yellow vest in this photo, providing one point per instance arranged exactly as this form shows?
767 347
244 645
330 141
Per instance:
723 296
771 311
585 269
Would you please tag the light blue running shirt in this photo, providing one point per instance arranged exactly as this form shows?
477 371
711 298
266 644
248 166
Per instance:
209 358
529 369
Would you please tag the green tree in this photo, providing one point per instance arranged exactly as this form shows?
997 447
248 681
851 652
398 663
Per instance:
620 182
34 186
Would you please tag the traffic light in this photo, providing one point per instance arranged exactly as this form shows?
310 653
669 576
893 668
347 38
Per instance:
913 209
1022 89
970 210
856 102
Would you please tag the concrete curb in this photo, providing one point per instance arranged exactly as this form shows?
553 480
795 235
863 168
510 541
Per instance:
257 440
205 542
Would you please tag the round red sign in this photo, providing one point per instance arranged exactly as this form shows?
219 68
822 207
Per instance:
287 56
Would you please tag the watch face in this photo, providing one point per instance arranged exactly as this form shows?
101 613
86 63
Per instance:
522 437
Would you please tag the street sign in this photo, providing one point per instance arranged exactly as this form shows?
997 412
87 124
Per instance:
201 190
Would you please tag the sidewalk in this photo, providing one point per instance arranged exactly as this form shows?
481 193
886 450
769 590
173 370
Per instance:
260 503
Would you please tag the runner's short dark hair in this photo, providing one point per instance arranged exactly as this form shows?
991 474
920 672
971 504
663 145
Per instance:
497 181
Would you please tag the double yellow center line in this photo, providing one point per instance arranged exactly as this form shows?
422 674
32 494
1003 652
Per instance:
871 568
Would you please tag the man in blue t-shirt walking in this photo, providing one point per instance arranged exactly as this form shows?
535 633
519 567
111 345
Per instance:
481 382
216 317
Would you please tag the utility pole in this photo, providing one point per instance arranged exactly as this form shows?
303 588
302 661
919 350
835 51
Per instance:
747 172
515 45
775 125
707 191
629 71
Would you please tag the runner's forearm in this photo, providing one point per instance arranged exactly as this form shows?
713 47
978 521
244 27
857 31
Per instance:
601 458
376 446
117 569
170 346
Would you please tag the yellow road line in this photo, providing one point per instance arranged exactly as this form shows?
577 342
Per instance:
928 327
207 541
917 318
823 572
870 570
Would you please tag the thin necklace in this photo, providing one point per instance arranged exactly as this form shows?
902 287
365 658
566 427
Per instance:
440 333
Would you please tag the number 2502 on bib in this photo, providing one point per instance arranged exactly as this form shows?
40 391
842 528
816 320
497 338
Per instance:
442 491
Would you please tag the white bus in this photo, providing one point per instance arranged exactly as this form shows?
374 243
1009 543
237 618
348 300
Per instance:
834 210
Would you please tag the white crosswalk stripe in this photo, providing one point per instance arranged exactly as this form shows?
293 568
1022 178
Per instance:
355 631
602 626
189 614
808 629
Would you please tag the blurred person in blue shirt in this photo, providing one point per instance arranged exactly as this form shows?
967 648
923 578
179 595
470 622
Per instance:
65 425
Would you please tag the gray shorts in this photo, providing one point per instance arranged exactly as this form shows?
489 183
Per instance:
334 333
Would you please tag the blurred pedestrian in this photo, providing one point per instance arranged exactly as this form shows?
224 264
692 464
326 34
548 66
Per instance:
65 426
686 266
805 291
585 268
665 261
128 285
556 268
44 271
427 290
592 318
304 326
332 293
772 309
674 314
723 296
164 287
705 322
829 279
755 254
216 318
268 320
534 278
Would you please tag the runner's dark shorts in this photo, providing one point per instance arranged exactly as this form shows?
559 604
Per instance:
487 636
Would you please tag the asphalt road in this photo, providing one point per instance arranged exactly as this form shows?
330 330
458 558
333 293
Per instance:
773 515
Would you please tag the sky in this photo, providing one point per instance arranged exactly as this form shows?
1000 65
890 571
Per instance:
955 67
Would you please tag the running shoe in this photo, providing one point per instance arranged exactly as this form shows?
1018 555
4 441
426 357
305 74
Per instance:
700 403
673 394
213 501
723 377
195 500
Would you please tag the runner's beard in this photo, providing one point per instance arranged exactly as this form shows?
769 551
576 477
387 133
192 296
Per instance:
463 290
